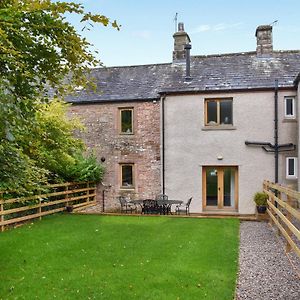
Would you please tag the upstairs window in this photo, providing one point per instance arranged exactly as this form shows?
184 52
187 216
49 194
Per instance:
218 112
126 120
127 176
291 168
289 108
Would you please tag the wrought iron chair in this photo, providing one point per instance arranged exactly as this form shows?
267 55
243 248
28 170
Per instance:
161 197
184 207
165 208
150 207
126 206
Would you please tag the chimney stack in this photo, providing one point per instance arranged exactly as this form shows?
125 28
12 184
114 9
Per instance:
181 39
264 40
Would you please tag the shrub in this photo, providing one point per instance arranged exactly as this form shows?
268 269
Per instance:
85 169
260 199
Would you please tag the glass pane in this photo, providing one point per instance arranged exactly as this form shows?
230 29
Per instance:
291 167
228 187
211 186
126 121
212 116
226 112
289 107
127 175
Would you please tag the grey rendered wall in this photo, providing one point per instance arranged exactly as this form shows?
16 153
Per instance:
298 113
188 146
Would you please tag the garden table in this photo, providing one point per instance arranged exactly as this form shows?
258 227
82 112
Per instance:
167 204
164 205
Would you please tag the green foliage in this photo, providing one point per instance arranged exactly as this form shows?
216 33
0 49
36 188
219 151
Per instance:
47 152
260 199
84 169
52 143
41 57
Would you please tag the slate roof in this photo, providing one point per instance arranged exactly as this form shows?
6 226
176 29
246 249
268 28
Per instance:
224 72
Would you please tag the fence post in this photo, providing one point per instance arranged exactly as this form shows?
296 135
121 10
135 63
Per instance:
1 210
277 217
289 217
67 195
271 199
40 208
88 192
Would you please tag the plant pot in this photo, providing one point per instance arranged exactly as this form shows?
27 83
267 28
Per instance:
261 209
69 209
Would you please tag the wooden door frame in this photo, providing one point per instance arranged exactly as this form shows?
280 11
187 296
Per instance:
220 170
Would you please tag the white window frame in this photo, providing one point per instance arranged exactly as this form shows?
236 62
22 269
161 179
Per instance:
293 116
295 175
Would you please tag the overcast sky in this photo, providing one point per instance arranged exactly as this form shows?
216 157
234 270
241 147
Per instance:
214 27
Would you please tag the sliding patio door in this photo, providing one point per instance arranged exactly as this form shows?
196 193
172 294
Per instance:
220 187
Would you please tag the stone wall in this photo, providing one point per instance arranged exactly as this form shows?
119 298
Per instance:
141 149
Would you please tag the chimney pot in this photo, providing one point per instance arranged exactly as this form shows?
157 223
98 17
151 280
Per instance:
180 26
181 38
264 42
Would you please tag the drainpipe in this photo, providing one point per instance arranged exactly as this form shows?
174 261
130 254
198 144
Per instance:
276 130
163 97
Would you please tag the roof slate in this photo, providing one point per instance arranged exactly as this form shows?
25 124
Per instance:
225 72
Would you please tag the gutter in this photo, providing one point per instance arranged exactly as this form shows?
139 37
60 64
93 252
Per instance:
229 91
84 102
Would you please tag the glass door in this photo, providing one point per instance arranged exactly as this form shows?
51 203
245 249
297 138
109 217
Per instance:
220 187
211 186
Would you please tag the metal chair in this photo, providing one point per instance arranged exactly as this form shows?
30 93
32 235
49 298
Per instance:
161 197
150 207
164 208
184 207
126 206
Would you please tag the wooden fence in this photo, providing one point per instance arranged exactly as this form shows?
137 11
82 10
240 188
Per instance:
283 209
55 198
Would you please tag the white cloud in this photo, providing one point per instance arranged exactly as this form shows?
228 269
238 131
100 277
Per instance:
202 28
142 34
216 27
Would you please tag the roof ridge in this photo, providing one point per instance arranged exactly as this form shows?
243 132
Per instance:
224 54
241 53
193 56
132 66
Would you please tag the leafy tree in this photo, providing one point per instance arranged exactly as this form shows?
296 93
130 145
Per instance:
41 56
54 147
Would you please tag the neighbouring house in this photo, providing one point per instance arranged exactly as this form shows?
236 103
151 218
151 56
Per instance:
200 126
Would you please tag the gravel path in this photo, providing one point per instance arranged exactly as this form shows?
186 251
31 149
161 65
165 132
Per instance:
266 272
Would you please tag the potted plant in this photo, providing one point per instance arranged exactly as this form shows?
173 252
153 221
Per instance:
69 208
260 200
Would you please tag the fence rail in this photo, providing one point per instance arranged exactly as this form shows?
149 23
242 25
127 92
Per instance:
283 209
55 199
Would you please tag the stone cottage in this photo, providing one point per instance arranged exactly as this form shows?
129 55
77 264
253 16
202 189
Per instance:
200 126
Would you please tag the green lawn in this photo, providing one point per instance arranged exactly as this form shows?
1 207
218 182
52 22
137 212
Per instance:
109 257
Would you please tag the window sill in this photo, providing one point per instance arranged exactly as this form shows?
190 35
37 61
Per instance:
127 134
123 188
289 120
292 178
218 127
